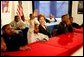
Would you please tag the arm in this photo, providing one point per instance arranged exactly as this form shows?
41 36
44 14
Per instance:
60 29
3 45
44 37
21 24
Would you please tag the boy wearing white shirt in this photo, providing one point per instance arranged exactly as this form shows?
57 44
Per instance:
30 32
38 36
17 23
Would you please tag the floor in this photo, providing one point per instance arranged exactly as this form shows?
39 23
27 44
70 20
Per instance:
79 52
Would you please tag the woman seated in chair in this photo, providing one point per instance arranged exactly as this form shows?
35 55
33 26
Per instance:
42 28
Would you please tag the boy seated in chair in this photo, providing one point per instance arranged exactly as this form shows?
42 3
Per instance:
38 36
64 26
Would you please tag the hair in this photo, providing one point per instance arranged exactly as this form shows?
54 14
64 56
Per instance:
30 15
15 17
40 16
63 16
4 27
66 14
70 17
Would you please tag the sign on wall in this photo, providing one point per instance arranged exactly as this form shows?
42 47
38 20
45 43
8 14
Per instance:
80 7
5 6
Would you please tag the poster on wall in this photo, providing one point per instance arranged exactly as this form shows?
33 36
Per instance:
5 6
80 7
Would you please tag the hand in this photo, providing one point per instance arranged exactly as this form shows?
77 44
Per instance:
3 45
43 41
26 47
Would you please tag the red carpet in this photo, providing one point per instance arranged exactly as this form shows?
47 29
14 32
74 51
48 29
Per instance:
79 30
39 50
71 41
62 45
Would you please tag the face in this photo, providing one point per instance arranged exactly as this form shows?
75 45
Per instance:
17 19
9 30
31 16
42 20
71 19
65 18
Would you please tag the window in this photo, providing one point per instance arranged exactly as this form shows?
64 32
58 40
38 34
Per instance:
56 8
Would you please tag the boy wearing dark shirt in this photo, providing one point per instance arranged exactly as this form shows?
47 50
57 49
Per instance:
64 26
14 40
74 25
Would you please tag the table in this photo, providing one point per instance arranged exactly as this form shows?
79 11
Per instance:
62 45
52 24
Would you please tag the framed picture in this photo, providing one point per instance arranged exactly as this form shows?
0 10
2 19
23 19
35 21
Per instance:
80 7
5 6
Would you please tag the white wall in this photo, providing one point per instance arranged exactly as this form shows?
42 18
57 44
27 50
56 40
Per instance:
27 9
8 17
78 18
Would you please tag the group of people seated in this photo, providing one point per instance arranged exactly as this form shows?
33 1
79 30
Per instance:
19 33
66 25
